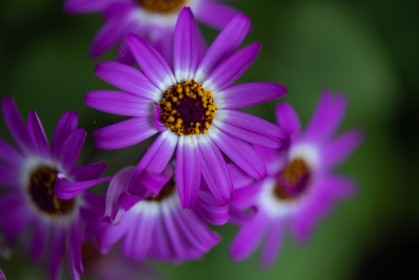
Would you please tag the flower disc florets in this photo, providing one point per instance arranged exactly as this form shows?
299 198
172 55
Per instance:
41 191
162 6
293 180
187 108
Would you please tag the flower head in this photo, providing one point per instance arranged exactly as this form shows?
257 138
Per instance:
301 185
31 176
157 226
153 20
192 107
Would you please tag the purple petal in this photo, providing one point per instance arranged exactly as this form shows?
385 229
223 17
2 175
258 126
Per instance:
211 210
128 79
89 171
188 175
40 235
241 153
9 176
232 68
227 42
327 117
86 6
17 217
9 155
119 103
249 128
288 120
117 186
73 146
68 190
248 196
214 170
124 134
156 158
152 63
159 154
139 238
112 32
65 126
340 148
186 38
74 249
37 133
238 177
339 187
15 124
248 238
215 14
56 257
250 94
272 244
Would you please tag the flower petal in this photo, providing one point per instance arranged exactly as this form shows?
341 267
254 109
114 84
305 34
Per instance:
249 94
249 128
186 40
240 152
15 124
227 42
124 134
119 103
273 243
152 63
113 31
341 147
68 190
89 171
73 146
85 6
327 117
9 155
231 69
211 210
214 170
288 120
215 14
37 134
248 238
65 126
188 175
128 79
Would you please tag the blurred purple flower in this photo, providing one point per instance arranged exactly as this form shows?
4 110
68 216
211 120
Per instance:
157 226
2 277
192 107
153 20
301 186
30 176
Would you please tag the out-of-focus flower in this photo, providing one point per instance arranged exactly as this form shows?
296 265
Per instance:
2 277
30 176
153 20
192 107
301 185
157 226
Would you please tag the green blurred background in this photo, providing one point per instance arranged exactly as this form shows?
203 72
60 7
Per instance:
366 49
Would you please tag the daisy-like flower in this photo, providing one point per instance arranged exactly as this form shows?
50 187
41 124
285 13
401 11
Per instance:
30 176
153 20
157 226
192 107
301 186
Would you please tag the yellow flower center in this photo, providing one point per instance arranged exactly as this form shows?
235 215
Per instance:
162 6
293 180
187 108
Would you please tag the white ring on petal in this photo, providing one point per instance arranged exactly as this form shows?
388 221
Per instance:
309 152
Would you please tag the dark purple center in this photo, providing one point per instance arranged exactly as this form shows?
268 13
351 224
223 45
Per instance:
293 181
187 108
41 191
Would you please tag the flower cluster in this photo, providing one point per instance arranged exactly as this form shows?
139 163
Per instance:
209 163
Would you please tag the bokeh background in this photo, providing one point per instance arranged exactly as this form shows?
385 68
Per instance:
366 49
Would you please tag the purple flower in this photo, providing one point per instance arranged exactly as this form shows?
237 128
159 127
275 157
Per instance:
157 226
31 175
153 20
2 277
192 107
301 186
